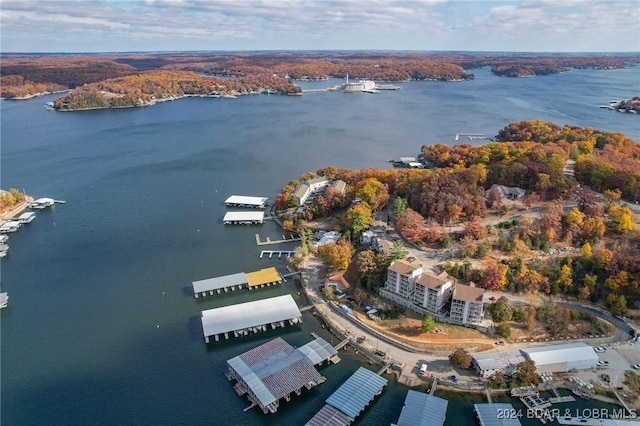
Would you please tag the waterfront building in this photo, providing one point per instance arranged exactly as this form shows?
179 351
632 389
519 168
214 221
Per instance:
422 409
496 414
467 306
339 186
250 317
348 401
241 280
275 370
244 201
309 188
408 285
488 364
562 358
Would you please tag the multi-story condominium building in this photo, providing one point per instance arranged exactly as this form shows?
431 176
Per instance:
409 286
466 305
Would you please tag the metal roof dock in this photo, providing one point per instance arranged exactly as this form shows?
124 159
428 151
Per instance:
422 409
250 317
243 218
270 372
318 351
348 401
496 414
244 201
250 280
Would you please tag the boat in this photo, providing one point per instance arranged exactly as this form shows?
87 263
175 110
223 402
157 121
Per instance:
4 238
4 300
26 217
525 391
581 393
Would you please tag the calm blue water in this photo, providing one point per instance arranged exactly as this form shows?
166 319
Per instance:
102 328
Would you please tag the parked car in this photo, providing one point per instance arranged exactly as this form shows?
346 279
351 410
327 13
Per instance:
636 366
380 353
423 369
454 379
492 298
602 363
599 349
500 343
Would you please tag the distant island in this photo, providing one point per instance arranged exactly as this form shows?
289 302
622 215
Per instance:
131 80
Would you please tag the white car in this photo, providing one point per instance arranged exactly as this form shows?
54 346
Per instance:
636 366
599 349
602 363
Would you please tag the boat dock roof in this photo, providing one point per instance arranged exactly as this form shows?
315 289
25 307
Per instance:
422 409
219 282
245 201
272 371
265 276
492 414
243 218
318 351
250 314
350 398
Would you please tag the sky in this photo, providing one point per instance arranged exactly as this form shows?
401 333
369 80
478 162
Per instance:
420 25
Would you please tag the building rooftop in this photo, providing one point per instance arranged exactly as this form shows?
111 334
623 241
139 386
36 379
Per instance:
318 351
274 370
468 293
494 414
263 276
243 216
498 360
431 281
219 282
329 416
422 409
250 314
404 267
359 389
554 354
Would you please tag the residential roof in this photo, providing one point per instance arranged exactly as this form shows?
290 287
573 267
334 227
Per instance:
243 216
422 409
263 276
356 393
498 360
250 314
246 200
555 354
468 293
219 282
493 414
318 350
339 278
319 179
273 370
431 281
301 190
339 185
404 267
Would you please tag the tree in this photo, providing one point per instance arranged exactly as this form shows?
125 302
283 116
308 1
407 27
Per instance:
398 251
373 192
411 224
494 276
475 228
494 198
503 330
428 324
501 310
358 218
621 218
461 358
336 255
565 277
399 205
525 374
586 250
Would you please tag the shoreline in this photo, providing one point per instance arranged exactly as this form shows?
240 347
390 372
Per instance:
16 210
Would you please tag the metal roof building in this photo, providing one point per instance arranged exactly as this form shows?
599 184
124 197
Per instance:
243 218
250 317
560 358
219 283
318 351
245 201
496 414
422 409
350 399
272 371
487 364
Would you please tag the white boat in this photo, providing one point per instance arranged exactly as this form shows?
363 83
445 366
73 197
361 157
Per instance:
4 239
11 226
26 217
42 203
4 300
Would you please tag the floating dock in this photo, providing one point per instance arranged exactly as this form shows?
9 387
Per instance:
348 401
422 409
243 218
269 241
276 370
491 414
245 201
250 317
258 279
279 253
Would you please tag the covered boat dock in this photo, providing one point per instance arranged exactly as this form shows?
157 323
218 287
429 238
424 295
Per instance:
243 218
270 372
243 318
245 201
348 401
422 409
258 279
496 414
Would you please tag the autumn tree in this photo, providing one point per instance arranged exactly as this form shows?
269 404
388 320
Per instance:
494 275
411 224
358 218
526 374
336 255
475 228
503 330
501 310
373 192
428 324
461 358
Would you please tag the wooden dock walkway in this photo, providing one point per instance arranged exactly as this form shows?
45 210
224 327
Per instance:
278 252
384 368
306 308
488 392
268 241
342 344
433 386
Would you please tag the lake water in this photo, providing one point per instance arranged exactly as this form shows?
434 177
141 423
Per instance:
102 327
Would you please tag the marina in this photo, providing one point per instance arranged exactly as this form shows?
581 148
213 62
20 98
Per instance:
251 317
243 218
27 217
246 201
350 399
279 253
249 280
496 414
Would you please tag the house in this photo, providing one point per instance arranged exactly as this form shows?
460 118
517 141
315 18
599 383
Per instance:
325 238
410 286
338 282
467 307
367 237
302 193
339 187
507 192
